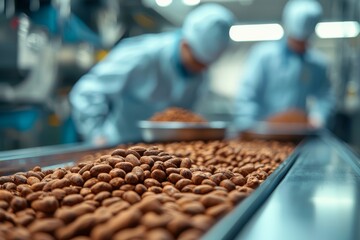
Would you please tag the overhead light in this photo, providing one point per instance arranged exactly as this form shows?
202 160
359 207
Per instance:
347 29
163 3
256 32
191 2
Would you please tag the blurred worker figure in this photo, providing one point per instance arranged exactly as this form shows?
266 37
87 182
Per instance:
147 74
286 80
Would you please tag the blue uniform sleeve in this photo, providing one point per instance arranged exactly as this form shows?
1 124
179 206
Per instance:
248 95
323 106
95 96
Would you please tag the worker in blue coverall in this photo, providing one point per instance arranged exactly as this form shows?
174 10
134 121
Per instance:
147 74
287 76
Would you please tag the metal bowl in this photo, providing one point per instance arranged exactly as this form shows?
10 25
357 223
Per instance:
279 131
182 131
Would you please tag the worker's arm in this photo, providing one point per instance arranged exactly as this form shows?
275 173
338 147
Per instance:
96 100
248 95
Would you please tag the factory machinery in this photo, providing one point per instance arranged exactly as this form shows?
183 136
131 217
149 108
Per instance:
45 48
313 194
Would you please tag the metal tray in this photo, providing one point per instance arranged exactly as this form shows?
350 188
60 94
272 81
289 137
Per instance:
182 131
279 131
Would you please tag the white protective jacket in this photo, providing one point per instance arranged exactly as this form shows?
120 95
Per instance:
139 77
277 79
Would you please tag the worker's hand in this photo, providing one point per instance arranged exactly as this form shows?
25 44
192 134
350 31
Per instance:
289 116
316 122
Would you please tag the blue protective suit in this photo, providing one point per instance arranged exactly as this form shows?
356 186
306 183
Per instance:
277 79
139 77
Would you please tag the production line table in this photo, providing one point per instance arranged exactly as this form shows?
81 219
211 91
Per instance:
314 194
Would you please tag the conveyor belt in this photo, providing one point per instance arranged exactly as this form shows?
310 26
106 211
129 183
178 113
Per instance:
314 194
319 198
47 157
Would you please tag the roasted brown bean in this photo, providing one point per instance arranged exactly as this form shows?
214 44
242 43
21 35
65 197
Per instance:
229 185
117 182
139 172
210 200
119 152
186 173
140 188
198 177
76 179
102 196
100 168
116 172
18 203
131 197
131 178
182 183
149 182
174 177
126 166
47 225
147 160
48 204
131 158
121 221
104 177
101 186
72 199
59 194
159 175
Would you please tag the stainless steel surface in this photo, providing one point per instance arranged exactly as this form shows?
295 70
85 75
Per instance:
283 128
46 157
317 199
280 131
181 131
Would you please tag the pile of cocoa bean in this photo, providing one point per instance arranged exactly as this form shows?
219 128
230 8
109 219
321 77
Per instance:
175 114
164 191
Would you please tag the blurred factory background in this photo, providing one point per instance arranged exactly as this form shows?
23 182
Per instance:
46 45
